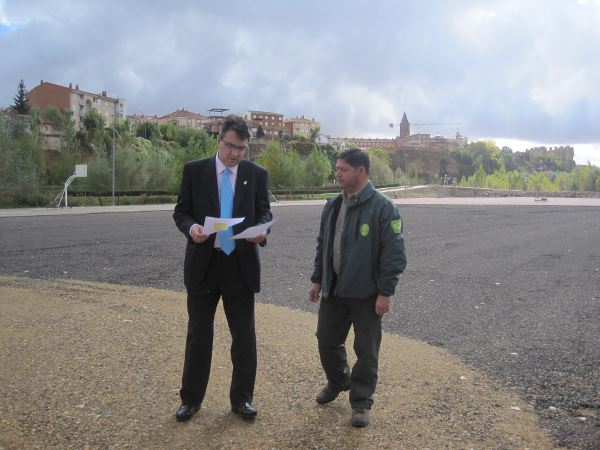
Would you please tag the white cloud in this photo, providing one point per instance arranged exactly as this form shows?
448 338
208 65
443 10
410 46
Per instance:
585 153
364 108
3 19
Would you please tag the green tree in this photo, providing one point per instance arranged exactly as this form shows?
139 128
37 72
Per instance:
317 169
399 176
92 135
158 171
21 104
56 117
464 158
331 153
540 182
583 178
61 167
413 174
516 180
313 134
499 179
99 173
197 145
479 178
295 169
148 130
563 182
377 152
507 158
286 169
124 128
273 159
20 155
167 131
260 133
486 154
129 169
380 172
93 121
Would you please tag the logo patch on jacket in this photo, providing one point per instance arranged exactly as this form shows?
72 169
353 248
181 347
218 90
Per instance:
364 229
396 225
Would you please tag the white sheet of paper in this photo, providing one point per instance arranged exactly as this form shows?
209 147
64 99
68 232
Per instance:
214 224
254 231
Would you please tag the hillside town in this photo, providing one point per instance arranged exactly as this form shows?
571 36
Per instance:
268 124
429 154
52 127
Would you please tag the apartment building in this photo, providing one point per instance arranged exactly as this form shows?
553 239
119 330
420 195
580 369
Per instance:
76 101
361 143
137 119
270 122
299 126
185 118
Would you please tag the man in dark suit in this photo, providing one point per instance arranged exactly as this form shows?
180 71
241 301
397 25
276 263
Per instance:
217 267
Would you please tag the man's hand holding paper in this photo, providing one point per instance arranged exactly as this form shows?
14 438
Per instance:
255 234
214 224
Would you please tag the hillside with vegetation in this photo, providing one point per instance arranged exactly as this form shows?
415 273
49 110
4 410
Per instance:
149 160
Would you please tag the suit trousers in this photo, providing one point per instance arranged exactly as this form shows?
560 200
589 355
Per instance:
336 315
223 280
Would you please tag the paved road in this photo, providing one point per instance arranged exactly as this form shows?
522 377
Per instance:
514 290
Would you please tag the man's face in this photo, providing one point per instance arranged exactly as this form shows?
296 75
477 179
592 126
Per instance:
347 176
231 148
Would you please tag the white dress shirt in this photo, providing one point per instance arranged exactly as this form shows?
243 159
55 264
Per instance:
220 167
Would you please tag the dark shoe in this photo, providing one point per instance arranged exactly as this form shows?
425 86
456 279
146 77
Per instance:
360 417
330 393
245 410
186 412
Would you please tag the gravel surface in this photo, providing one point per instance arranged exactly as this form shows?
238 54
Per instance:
88 365
514 291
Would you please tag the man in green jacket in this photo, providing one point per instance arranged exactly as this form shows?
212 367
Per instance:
360 255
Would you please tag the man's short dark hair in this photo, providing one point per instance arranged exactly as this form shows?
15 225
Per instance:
356 158
237 124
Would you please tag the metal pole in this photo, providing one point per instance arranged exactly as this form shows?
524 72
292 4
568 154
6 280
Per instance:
405 169
113 155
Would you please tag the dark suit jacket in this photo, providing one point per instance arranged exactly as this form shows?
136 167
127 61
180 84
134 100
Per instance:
199 197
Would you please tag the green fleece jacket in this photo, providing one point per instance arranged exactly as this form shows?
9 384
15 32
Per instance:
372 247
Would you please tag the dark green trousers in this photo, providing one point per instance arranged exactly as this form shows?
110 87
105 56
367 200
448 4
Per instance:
336 315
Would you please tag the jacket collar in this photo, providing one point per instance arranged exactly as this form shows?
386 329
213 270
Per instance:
366 193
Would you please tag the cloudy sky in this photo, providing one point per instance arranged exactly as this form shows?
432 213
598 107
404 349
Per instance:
522 72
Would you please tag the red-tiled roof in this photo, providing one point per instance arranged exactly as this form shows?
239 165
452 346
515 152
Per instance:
183 113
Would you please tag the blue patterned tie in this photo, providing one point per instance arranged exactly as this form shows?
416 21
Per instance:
227 244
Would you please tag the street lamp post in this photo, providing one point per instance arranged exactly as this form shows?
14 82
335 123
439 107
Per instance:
113 153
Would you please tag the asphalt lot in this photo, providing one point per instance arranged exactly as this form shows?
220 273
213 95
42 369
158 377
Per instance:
514 290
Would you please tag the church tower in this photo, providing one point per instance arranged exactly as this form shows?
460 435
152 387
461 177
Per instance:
404 127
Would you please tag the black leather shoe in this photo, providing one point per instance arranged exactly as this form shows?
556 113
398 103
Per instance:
245 410
330 393
186 412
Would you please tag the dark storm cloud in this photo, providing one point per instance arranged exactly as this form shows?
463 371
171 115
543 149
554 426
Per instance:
510 69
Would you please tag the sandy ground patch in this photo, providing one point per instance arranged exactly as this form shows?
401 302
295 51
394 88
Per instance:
99 366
